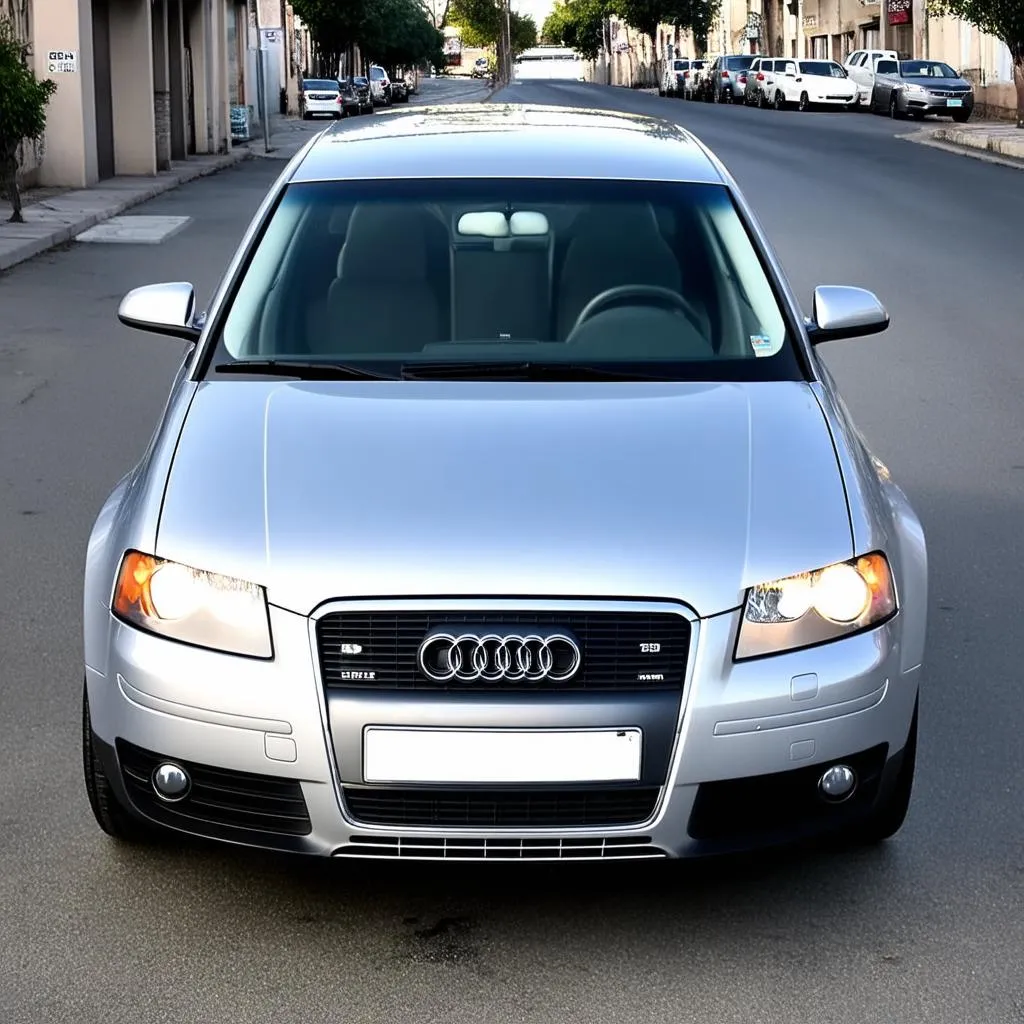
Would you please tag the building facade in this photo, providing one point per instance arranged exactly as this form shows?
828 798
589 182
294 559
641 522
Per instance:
140 83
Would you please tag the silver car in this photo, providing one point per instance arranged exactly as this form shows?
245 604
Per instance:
556 542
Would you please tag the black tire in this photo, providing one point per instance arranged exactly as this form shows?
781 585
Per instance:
780 101
306 116
917 115
962 116
893 112
109 814
762 100
888 817
805 103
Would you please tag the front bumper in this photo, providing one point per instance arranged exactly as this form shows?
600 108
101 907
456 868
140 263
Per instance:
940 105
331 107
731 760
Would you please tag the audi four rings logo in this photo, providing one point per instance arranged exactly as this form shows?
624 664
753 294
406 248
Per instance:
494 657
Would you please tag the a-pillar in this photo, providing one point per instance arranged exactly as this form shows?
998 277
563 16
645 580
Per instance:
131 83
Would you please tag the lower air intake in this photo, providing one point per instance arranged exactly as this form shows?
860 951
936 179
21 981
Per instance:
534 848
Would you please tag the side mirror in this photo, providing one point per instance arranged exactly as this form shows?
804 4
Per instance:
162 309
841 312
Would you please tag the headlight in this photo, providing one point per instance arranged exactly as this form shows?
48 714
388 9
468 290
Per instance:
916 90
815 607
193 606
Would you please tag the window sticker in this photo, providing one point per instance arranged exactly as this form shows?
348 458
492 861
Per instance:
761 344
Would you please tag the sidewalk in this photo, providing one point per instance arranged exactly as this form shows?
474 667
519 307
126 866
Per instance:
53 217
986 140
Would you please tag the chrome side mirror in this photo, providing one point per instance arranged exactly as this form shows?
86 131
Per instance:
842 312
162 309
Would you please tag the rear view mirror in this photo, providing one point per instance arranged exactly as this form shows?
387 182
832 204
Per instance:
841 312
161 309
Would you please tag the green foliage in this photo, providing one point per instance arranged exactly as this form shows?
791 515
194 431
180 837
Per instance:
1003 19
479 23
23 101
391 32
580 23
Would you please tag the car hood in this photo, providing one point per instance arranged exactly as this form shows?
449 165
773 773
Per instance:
690 492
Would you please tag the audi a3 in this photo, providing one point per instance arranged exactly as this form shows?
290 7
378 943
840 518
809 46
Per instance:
554 542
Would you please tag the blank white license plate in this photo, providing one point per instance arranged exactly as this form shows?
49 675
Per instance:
954 103
500 755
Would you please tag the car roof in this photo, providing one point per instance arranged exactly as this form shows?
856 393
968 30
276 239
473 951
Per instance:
522 140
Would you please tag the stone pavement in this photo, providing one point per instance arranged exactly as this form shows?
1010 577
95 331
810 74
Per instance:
52 217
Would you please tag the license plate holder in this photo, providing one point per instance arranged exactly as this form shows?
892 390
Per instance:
393 755
954 103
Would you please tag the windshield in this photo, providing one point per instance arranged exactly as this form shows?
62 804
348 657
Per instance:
360 81
926 69
319 85
739 63
824 68
661 279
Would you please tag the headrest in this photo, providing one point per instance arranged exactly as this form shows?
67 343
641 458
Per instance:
385 239
615 221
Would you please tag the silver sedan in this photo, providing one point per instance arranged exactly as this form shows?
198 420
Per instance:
554 541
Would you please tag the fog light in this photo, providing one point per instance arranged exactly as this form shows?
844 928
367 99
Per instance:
171 782
838 782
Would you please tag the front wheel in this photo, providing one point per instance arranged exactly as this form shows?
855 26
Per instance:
805 102
780 102
108 812
961 116
893 109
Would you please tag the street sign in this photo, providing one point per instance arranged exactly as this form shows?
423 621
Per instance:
62 62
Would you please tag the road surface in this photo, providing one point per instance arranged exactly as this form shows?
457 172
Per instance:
926 930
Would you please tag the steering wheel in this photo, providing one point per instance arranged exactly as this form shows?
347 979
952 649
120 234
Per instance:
639 294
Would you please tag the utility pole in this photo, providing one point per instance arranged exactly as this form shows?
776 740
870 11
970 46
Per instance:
800 30
261 82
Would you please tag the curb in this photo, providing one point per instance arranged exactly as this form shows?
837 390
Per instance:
34 243
939 138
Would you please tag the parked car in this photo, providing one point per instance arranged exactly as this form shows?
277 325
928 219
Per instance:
481 68
677 77
350 102
320 97
399 88
916 88
726 79
809 83
380 86
698 627
860 66
362 87
759 89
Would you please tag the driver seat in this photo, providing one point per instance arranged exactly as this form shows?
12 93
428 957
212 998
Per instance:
612 245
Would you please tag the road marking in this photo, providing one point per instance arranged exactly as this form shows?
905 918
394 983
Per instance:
140 230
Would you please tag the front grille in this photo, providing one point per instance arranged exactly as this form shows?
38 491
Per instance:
532 848
218 796
949 94
612 657
472 808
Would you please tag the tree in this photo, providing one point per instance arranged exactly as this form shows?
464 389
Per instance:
398 33
1003 19
23 100
335 25
480 23
578 24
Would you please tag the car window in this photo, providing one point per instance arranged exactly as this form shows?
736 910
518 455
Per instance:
926 69
886 67
739 63
680 65
854 59
319 85
823 68
464 270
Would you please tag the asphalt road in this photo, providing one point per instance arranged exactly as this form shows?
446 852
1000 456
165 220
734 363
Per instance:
928 928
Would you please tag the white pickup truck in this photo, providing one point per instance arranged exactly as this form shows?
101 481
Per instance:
860 66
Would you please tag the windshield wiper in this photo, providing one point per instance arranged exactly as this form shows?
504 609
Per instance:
301 369
519 371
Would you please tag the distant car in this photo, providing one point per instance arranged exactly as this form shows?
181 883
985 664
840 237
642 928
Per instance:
679 77
350 102
399 89
362 87
813 83
726 78
380 86
916 88
481 68
860 66
320 97
444 548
